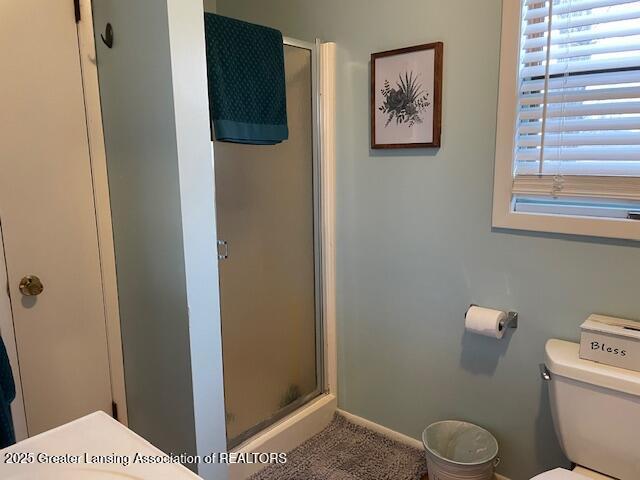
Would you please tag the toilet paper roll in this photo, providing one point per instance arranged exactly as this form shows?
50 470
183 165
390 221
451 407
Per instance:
485 321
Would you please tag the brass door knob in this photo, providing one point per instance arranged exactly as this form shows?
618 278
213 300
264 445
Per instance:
31 286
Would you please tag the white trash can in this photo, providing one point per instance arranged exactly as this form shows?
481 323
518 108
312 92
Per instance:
459 451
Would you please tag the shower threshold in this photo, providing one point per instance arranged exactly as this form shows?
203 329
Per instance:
287 433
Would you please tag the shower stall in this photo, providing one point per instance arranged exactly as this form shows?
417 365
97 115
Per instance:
270 229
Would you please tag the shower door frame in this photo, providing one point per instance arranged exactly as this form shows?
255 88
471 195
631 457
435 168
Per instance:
318 243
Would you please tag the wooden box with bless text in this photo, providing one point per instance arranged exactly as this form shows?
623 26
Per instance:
612 341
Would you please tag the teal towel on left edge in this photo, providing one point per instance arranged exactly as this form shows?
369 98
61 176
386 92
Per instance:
247 91
7 394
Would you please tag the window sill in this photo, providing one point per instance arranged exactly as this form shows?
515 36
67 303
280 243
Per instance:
620 228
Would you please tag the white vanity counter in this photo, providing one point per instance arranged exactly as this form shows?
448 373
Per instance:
92 447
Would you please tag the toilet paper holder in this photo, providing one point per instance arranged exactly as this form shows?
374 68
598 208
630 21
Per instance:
510 322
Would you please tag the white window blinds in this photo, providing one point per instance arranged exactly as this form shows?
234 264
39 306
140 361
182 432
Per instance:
578 119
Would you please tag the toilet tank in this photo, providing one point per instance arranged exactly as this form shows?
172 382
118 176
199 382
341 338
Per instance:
596 411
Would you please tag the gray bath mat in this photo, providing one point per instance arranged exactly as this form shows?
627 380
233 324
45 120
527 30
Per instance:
345 451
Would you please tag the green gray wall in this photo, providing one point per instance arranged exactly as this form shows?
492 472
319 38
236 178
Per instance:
415 244
154 101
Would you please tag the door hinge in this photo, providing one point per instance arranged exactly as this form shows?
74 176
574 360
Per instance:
114 410
76 10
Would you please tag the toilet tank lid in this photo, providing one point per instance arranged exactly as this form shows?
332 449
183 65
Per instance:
562 358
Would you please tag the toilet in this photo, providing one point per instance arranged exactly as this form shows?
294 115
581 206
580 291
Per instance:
596 414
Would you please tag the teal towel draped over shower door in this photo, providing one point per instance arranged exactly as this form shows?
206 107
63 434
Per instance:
7 395
245 70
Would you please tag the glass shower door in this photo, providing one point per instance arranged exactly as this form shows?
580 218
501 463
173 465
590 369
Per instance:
269 283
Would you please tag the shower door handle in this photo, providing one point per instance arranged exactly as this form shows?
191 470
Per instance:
223 250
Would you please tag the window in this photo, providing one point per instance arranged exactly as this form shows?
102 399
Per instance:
568 137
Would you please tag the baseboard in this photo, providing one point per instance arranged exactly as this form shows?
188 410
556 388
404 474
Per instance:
392 434
387 432
287 434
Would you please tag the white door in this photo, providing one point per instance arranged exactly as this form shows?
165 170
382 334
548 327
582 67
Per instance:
48 216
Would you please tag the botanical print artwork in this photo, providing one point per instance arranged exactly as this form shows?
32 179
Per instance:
406 97
406 101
